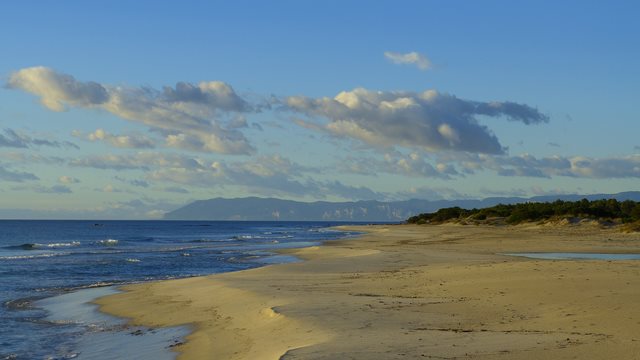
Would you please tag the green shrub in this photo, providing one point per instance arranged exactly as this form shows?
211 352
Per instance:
628 211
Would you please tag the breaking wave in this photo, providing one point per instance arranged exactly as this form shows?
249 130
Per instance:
108 242
37 246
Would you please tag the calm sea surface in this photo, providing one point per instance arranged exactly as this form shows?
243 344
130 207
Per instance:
40 259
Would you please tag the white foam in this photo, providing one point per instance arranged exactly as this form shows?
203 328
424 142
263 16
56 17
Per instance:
31 255
56 245
108 242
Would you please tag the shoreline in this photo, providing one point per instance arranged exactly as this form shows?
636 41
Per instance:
406 291
107 337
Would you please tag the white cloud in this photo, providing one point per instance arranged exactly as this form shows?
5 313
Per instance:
412 58
68 180
351 192
134 182
189 116
133 209
429 120
55 189
412 165
271 175
175 189
32 158
109 189
454 165
621 167
155 214
138 161
265 174
430 193
56 89
131 141
527 165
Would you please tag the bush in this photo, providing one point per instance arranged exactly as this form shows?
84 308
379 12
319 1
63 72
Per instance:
628 211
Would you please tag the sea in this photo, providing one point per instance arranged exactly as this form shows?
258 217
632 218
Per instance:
51 270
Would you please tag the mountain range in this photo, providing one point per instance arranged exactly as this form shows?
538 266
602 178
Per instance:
270 209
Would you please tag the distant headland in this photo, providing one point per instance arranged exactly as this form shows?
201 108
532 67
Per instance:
270 209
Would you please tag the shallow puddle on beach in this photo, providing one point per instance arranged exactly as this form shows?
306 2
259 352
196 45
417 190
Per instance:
107 337
577 256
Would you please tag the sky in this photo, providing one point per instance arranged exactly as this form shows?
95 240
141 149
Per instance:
127 110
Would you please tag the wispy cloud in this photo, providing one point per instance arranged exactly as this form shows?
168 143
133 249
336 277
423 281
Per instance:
15 176
55 189
138 161
131 141
527 165
175 189
18 139
429 193
133 182
271 175
411 165
68 180
411 58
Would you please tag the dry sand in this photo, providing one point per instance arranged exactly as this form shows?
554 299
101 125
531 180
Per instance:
411 292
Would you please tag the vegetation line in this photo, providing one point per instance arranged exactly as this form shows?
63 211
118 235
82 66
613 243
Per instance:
627 212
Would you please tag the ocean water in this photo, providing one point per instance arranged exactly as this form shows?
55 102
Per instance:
42 260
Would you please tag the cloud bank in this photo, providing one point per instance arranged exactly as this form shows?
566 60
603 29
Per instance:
271 175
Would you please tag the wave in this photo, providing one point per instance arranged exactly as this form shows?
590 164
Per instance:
276 233
27 246
38 246
108 242
20 257
25 303
133 260
98 284
247 237
67 289
198 241
141 238
57 245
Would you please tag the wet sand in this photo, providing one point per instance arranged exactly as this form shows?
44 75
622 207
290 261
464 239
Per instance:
407 292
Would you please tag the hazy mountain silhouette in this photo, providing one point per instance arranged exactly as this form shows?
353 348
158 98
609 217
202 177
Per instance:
254 208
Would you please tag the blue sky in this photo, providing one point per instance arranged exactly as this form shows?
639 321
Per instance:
121 110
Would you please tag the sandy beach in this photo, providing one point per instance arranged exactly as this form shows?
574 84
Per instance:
407 292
